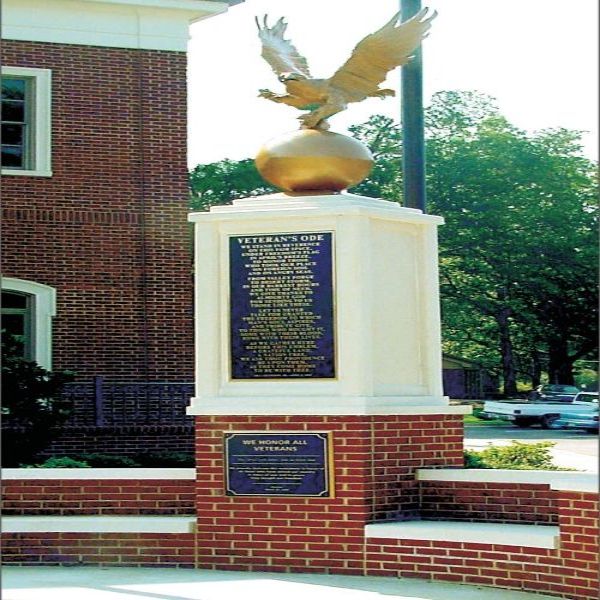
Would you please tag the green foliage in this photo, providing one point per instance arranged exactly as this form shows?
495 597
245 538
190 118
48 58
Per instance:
518 455
165 459
384 138
474 419
586 379
97 459
32 404
518 250
224 181
59 462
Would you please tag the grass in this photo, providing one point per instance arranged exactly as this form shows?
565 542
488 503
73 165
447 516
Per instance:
475 420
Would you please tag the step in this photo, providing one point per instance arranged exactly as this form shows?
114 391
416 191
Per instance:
101 473
530 536
570 481
100 524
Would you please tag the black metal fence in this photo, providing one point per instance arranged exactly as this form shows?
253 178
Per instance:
108 404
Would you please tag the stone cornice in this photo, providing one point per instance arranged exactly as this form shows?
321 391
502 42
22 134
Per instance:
147 24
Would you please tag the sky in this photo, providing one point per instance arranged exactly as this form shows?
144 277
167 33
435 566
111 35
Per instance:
537 58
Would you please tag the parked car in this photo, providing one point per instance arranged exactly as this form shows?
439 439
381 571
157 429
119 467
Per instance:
553 392
588 421
544 413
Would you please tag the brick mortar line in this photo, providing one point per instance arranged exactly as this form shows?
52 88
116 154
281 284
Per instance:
73 216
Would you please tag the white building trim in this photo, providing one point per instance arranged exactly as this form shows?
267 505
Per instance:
147 24
44 308
41 122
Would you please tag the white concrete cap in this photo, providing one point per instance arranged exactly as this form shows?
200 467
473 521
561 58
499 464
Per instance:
171 474
557 480
532 536
100 524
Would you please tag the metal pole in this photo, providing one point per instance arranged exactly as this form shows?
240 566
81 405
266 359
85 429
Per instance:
413 137
99 400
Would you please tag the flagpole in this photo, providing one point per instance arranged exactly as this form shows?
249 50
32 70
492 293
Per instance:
413 136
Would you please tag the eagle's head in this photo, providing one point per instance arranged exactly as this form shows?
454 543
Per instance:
285 77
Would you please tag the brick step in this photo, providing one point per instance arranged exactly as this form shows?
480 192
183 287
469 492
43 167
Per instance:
100 524
510 534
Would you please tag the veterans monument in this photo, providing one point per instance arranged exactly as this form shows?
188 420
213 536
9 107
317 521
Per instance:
318 356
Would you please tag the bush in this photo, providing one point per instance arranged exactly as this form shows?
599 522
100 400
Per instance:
518 455
165 459
59 462
32 404
96 459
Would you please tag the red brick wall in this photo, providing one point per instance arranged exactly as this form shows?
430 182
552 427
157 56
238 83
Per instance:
571 571
490 502
122 441
97 497
318 534
313 534
486 564
100 549
108 230
579 548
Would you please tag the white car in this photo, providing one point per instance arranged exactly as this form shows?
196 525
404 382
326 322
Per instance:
588 421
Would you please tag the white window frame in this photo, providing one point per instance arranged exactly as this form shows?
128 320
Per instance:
43 308
41 151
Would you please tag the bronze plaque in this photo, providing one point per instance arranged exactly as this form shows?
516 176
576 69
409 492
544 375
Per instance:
276 463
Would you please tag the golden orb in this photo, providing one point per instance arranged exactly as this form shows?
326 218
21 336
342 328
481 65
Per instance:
314 160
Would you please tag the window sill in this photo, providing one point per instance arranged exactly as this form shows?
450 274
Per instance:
25 173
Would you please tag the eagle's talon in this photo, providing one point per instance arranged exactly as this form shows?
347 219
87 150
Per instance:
384 93
268 94
309 121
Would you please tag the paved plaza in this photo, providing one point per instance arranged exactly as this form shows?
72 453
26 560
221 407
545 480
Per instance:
114 583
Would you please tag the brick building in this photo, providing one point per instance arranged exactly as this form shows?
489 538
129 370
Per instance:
96 248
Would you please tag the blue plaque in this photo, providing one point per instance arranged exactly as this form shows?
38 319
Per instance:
278 464
281 306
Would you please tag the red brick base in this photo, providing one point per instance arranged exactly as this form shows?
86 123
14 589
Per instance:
100 549
375 458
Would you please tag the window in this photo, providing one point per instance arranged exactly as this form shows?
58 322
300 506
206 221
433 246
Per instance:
16 320
15 119
27 311
26 121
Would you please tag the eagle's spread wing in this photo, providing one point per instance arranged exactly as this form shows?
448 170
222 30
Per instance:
279 52
381 52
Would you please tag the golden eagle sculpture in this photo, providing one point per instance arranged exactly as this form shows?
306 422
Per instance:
358 78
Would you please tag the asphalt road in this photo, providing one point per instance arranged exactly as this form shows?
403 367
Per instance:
573 449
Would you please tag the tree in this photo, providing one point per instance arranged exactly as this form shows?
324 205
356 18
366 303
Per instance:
32 404
384 138
224 181
519 243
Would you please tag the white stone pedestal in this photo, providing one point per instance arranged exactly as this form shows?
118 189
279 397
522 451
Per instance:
386 318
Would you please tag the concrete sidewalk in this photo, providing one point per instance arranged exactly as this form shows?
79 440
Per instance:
123 583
